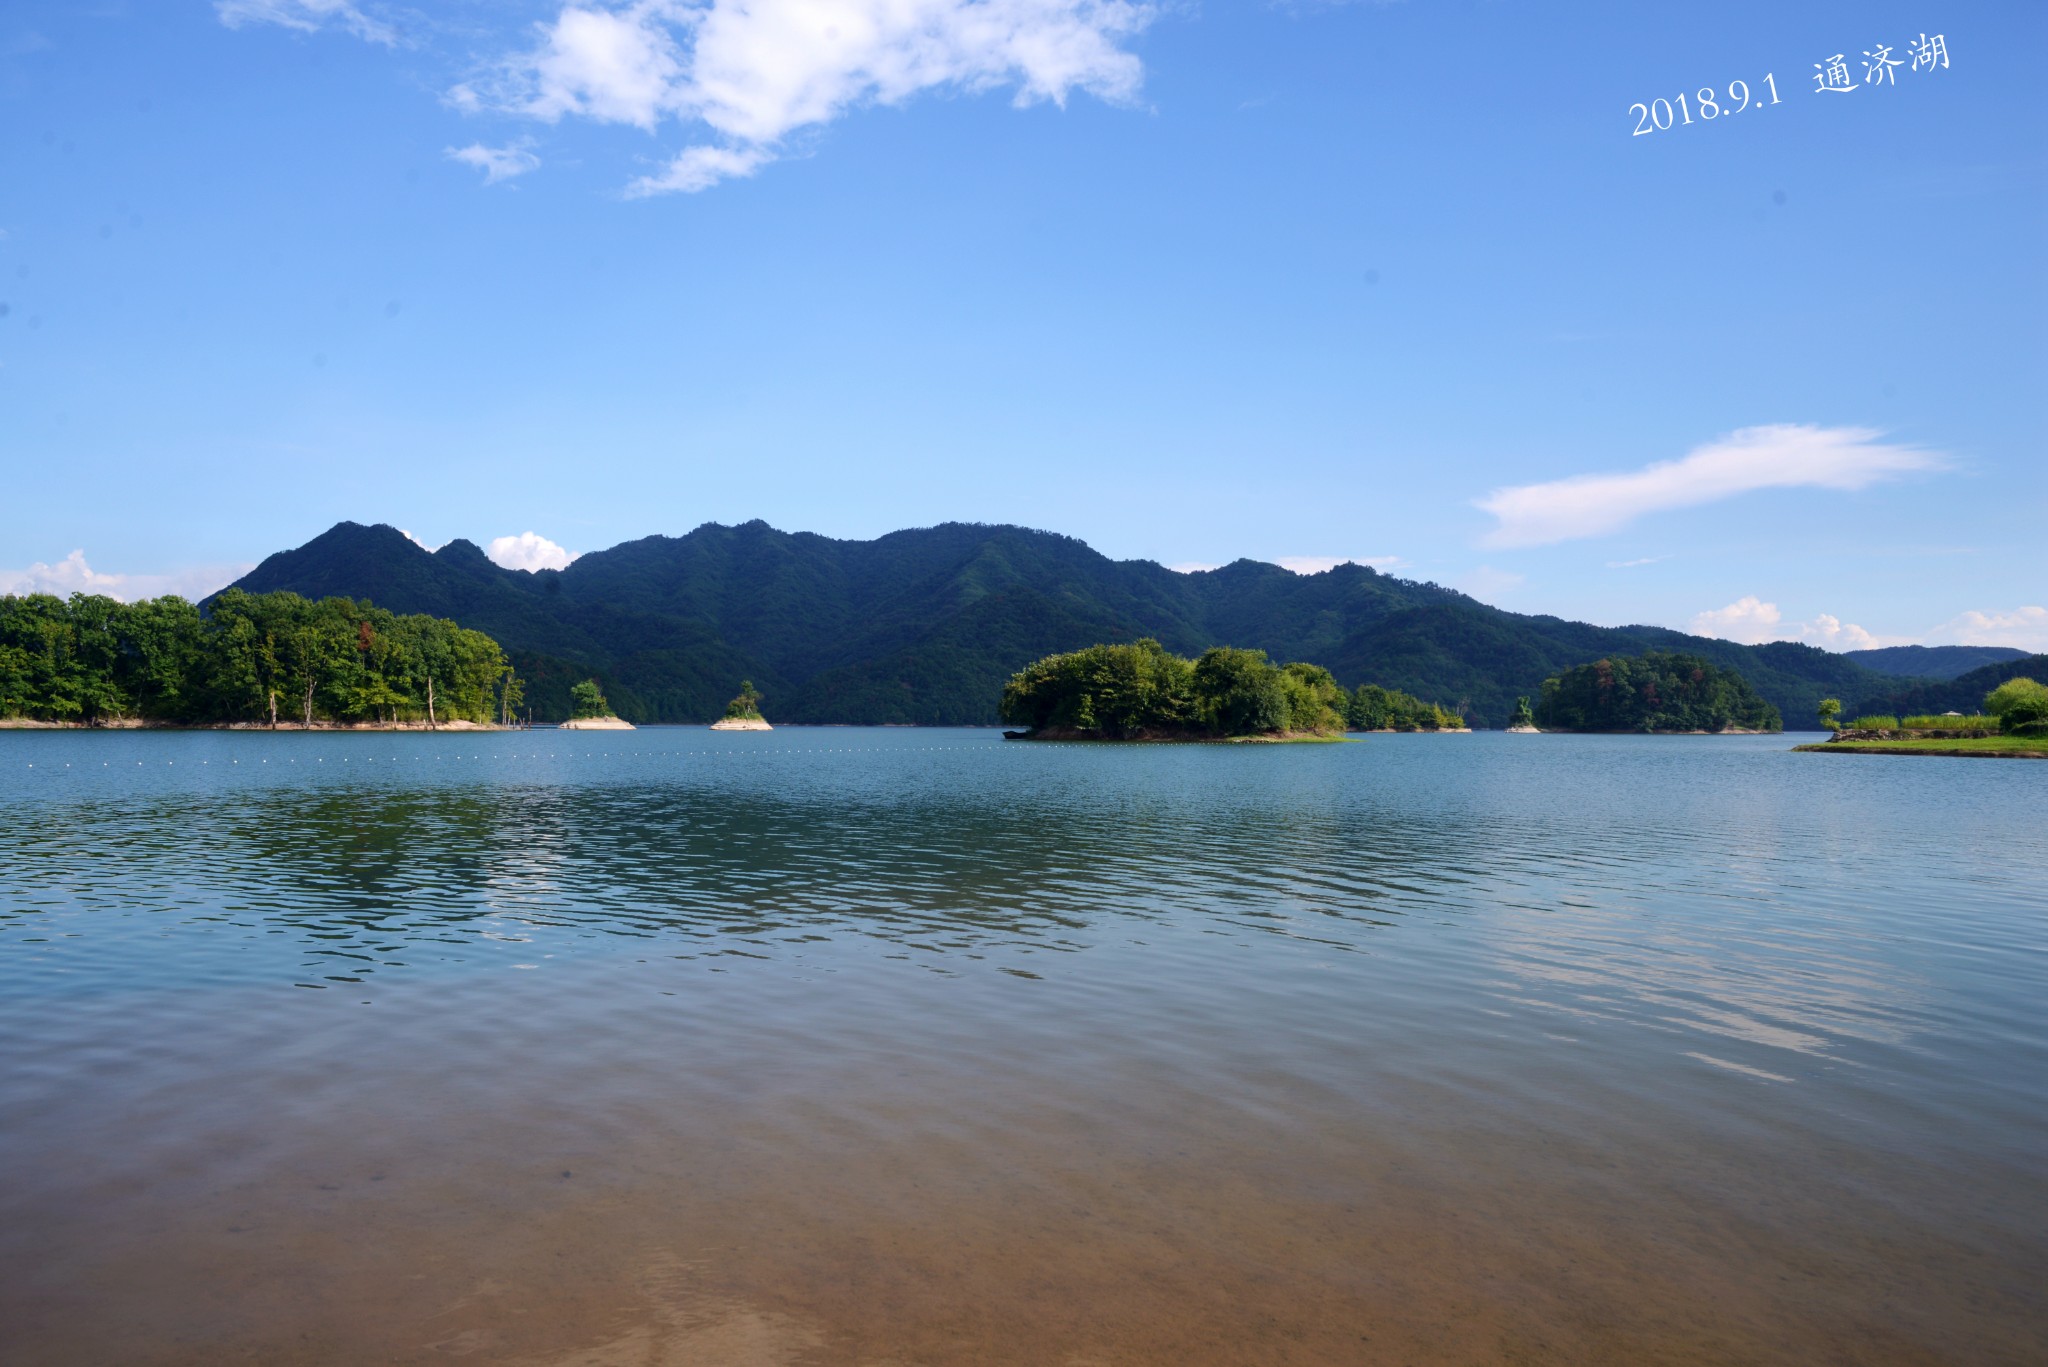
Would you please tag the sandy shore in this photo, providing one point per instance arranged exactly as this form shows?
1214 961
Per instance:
597 724
741 724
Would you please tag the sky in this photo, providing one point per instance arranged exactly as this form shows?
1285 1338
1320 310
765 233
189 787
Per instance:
1410 284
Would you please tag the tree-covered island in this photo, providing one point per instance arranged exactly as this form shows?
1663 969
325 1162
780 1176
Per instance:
1657 691
268 659
1142 691
588 710
743 713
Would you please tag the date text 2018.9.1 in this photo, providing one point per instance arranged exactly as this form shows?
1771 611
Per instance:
1658 115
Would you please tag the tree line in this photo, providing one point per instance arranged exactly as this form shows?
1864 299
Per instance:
275 658
1655 691
1143 690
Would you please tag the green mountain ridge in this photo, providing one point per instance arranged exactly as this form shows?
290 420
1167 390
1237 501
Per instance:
1964 693
1932 662
924 626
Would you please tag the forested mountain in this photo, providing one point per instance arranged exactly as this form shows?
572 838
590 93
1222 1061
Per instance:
926 625
1932 662
1965 693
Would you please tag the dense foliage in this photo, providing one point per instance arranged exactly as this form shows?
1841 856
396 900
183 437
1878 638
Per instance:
2021 706
747 706
1523 715
924 626
252 657
1656 691
1372 708
1122 692
586 700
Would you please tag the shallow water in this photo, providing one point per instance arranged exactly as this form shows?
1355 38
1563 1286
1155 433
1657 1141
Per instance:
892 1047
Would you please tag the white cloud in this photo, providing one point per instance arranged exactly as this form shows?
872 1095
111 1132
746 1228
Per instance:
307 16
417 541
1751 621
1633 564
497 163
73 575
2023 628
1775 456
754 72
700 168
1316 564
1748 620
1192 567
528 551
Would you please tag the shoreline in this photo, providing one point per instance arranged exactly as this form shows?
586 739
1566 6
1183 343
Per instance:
1065 735
2011 749
139 724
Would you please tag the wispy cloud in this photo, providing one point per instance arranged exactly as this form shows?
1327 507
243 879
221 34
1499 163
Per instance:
515 158
73 575
2024 628
753 73
307 16
528 551
1751 621
1775 456
1635 564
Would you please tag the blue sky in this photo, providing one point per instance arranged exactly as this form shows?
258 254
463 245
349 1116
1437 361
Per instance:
1394 283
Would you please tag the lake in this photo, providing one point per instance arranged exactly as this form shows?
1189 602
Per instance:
897 1047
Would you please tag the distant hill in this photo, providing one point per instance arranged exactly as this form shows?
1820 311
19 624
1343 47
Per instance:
1932 662
1965 693
923 626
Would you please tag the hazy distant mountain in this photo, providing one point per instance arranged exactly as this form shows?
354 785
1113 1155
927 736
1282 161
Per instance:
1964 693
925 625
1932 662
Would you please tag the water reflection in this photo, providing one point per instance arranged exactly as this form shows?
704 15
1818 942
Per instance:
1598 1051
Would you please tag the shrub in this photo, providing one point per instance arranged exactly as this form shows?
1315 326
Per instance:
587 700
2018 702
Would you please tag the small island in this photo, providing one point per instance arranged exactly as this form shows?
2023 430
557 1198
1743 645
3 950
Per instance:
1143 692
743 713
1523 722
1656 693
588 711
248 661
2013 725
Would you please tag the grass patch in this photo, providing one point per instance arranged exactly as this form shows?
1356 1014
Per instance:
2017 747
1881 721
1974 722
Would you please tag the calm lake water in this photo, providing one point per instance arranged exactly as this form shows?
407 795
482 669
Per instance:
898 1047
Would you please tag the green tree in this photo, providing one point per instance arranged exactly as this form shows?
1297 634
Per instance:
1830 714
2021 706
586 700
1238 692
1522 715
745 707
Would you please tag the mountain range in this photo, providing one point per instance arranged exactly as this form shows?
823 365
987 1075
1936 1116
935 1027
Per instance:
923 626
